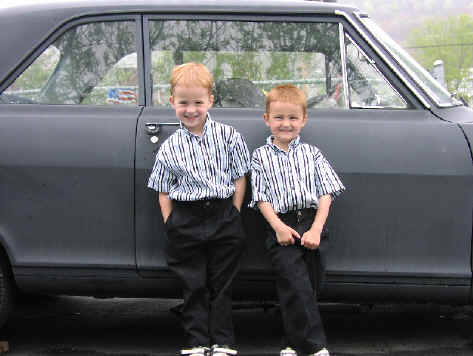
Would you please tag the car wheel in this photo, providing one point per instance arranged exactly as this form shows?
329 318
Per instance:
7 290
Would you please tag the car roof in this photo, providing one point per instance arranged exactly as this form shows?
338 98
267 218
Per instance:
171 5
25 26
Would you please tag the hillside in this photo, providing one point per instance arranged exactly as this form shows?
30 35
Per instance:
400 16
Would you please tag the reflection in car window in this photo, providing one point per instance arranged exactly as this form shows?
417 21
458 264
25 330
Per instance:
440 95
93 63
249 58
367 86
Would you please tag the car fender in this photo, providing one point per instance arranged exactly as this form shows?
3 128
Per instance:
467 129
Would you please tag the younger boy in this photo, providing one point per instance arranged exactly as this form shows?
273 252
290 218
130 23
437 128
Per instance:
199 173
293 185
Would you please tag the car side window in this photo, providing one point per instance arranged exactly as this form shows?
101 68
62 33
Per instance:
368 88
248 58
92 63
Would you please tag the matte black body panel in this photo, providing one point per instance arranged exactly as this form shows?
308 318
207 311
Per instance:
127 283
458 114
150 234
66 182
467 129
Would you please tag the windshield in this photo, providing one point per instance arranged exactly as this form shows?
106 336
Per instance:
431 86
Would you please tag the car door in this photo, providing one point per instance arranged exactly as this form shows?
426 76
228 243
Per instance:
409 176
402 165
67 143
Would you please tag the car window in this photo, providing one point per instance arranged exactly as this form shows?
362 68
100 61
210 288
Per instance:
368 88
430 85
93 63
249 58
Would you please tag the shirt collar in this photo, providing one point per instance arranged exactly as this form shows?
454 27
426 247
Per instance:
292 145
208 123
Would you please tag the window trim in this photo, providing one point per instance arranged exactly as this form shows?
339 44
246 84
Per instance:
343 53
389 63
375 66
59 31
147 18
410 94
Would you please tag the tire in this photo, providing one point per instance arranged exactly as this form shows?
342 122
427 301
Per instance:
7 290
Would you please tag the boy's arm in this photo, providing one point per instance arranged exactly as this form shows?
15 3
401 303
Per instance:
285 234
240 165
166 205
239 195
311 238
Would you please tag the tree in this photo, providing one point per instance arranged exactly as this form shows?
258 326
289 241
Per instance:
449 40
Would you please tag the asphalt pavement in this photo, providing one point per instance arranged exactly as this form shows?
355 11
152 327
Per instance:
80 326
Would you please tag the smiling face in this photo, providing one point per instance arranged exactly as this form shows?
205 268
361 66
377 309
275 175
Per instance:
286 121
191 105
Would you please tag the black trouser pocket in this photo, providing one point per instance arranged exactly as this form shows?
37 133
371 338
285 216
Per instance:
315 259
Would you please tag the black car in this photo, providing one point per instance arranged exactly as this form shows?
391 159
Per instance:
84 107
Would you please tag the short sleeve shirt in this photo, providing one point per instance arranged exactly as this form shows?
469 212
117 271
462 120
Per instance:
191 167
292 180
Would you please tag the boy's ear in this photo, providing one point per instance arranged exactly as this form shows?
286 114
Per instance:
266 119
171 100
304 120
211 100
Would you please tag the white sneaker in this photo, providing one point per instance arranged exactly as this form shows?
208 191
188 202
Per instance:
323 352
288 351
217 350
195 351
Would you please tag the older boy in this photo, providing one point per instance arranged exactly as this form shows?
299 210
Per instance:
199 173
293 185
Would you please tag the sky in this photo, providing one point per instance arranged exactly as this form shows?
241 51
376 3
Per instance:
400 17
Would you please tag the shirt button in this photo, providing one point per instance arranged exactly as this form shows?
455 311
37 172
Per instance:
207 203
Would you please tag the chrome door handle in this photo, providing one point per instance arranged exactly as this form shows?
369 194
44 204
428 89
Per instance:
153 128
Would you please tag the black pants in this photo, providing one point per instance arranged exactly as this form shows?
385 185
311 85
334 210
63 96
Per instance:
297 275
205 242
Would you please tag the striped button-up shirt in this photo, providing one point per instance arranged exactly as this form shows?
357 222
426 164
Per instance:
292 180
191 167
